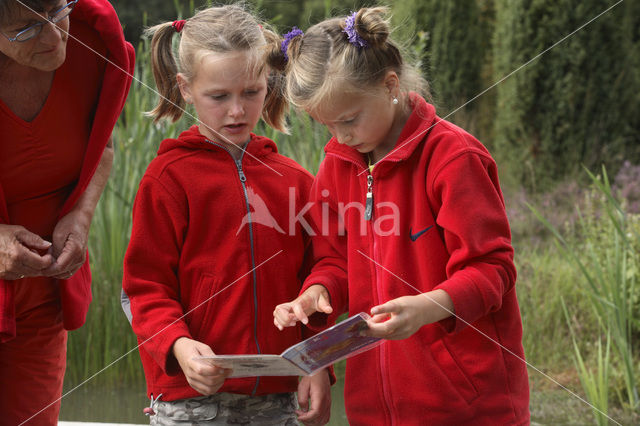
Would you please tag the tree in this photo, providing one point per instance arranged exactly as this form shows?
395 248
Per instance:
457 43
577 103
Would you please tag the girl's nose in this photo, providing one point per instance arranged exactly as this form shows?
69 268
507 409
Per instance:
343 137
236 110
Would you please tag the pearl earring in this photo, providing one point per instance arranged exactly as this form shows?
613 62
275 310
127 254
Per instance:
395 101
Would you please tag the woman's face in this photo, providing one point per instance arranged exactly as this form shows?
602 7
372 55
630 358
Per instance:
44 52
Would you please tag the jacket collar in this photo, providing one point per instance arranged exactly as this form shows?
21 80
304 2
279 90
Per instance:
421 120
258 146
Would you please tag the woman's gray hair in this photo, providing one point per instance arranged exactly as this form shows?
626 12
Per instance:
9 8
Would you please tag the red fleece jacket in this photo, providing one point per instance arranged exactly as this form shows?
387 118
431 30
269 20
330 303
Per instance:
438 222
218 241
75 292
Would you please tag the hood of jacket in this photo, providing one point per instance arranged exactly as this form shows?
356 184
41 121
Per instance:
192 139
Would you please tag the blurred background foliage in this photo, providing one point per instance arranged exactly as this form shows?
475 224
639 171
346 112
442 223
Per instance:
579 103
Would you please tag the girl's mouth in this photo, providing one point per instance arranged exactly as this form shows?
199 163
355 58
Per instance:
235 128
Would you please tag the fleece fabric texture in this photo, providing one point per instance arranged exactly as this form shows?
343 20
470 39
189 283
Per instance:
215 247
438 222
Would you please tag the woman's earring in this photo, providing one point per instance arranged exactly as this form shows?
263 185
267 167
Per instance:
395 101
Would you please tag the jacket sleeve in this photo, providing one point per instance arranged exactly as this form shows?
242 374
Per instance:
480 269
329 247
150 271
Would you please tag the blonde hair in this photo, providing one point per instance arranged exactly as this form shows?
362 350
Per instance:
219 30
323 63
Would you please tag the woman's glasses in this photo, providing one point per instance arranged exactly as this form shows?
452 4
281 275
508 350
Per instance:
33 30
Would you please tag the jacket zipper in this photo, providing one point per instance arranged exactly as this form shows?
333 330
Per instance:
243 180
368 211
368 215
386 388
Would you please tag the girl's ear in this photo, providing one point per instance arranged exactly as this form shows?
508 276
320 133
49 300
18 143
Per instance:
185 88
392 83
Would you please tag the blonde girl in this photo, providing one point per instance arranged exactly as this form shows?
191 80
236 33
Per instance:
411 228
203 271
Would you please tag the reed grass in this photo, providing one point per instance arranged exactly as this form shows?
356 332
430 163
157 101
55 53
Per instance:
605 252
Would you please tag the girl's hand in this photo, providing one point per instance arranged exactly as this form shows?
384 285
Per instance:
70 237
202 376
402 317
19 255
316 388
314 299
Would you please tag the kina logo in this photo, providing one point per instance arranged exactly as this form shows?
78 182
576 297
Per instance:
258 213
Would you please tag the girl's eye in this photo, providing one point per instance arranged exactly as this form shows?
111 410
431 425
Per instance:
218 97
250 92
349 120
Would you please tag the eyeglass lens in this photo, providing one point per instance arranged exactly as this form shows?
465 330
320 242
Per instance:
57 16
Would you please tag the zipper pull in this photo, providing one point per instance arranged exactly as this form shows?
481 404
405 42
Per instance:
368 211
243 178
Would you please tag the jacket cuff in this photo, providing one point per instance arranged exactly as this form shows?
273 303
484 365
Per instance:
163 351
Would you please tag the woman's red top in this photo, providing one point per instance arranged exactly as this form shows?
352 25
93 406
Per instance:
46 164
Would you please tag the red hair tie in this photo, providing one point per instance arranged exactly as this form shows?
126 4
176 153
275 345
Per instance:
179 25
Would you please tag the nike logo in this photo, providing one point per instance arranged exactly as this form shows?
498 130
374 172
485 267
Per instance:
418 234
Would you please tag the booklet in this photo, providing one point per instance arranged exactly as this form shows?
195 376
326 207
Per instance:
341 341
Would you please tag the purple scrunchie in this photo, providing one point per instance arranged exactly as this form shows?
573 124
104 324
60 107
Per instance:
284 46
352 33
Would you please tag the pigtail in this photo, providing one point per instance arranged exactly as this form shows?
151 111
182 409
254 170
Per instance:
293 49
164 67
274 56
277 59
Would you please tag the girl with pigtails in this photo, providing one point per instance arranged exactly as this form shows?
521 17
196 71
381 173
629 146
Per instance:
411 227
212 249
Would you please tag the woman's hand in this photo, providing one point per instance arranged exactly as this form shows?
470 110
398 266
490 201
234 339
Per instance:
402 317
69 248
19 253
202 376
317 390
314 299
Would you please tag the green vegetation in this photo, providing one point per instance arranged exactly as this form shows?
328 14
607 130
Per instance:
578 104
605 252
575 104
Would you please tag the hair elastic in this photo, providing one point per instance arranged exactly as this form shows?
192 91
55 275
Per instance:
179 25
284 46
352 33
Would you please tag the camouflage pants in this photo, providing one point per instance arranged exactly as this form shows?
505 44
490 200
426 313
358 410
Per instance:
227 409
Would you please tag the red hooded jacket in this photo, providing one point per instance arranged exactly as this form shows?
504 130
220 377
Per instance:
75 292
217 240
438 222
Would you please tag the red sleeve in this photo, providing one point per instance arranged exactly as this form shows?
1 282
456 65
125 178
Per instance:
329 250
150 268
480 269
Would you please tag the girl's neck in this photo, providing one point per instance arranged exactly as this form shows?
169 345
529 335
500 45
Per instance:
236 151
401 117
